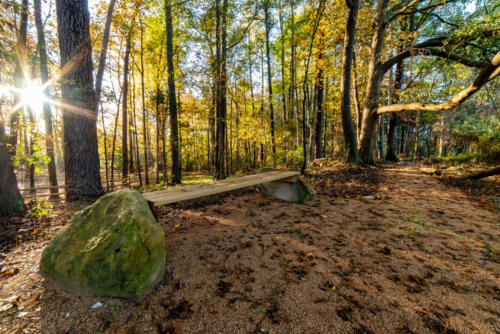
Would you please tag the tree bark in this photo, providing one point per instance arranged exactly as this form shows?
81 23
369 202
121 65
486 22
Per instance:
319 101
375 75
269 79
125 123
144 114
282 37
81 157
44 74
391 136
345 83
484 173
18 76
11 201
174 125
104 51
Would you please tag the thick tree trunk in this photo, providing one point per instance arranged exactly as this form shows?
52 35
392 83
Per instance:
11 201
81 157
345 83
375 75
47 114
125 123
174 126
485 173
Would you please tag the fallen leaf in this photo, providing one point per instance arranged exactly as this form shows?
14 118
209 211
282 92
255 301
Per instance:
36 298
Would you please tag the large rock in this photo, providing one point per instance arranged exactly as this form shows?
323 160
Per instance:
113 248
292 190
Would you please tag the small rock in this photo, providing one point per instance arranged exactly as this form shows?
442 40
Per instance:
22 314
67 315
96 305
385 251
370 197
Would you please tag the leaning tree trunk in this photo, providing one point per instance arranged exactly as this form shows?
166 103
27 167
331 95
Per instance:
44 74
81 157
345 83
172 103
375 75
484 173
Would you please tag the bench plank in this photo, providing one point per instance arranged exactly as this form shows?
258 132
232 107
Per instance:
162 197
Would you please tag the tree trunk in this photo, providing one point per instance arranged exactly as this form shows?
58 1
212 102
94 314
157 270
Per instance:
105 151
144 115
21 53
134 124
269 79
282 37
293 90
81 157
104 51
382 138
375 75
174 126
391 137
125 123
11 201
219 140
355 92
318 136
44 74
485 173
345 83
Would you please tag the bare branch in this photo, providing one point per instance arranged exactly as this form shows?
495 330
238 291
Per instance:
486 74
402 8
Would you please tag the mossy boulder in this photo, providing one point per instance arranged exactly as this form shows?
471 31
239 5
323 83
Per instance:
292 190
113 248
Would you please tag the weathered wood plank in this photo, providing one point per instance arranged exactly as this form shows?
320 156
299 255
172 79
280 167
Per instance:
163 197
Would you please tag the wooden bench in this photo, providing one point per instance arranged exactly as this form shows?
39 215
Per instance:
162 197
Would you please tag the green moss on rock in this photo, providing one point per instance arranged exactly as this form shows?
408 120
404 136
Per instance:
113 248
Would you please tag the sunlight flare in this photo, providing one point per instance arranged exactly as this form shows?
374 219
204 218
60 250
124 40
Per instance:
33 96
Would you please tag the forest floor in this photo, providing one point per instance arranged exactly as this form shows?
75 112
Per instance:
391 249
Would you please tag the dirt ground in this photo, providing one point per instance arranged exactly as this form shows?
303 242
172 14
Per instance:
384 250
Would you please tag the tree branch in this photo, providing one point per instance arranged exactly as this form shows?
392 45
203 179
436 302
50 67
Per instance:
402 7
486 74
425 48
